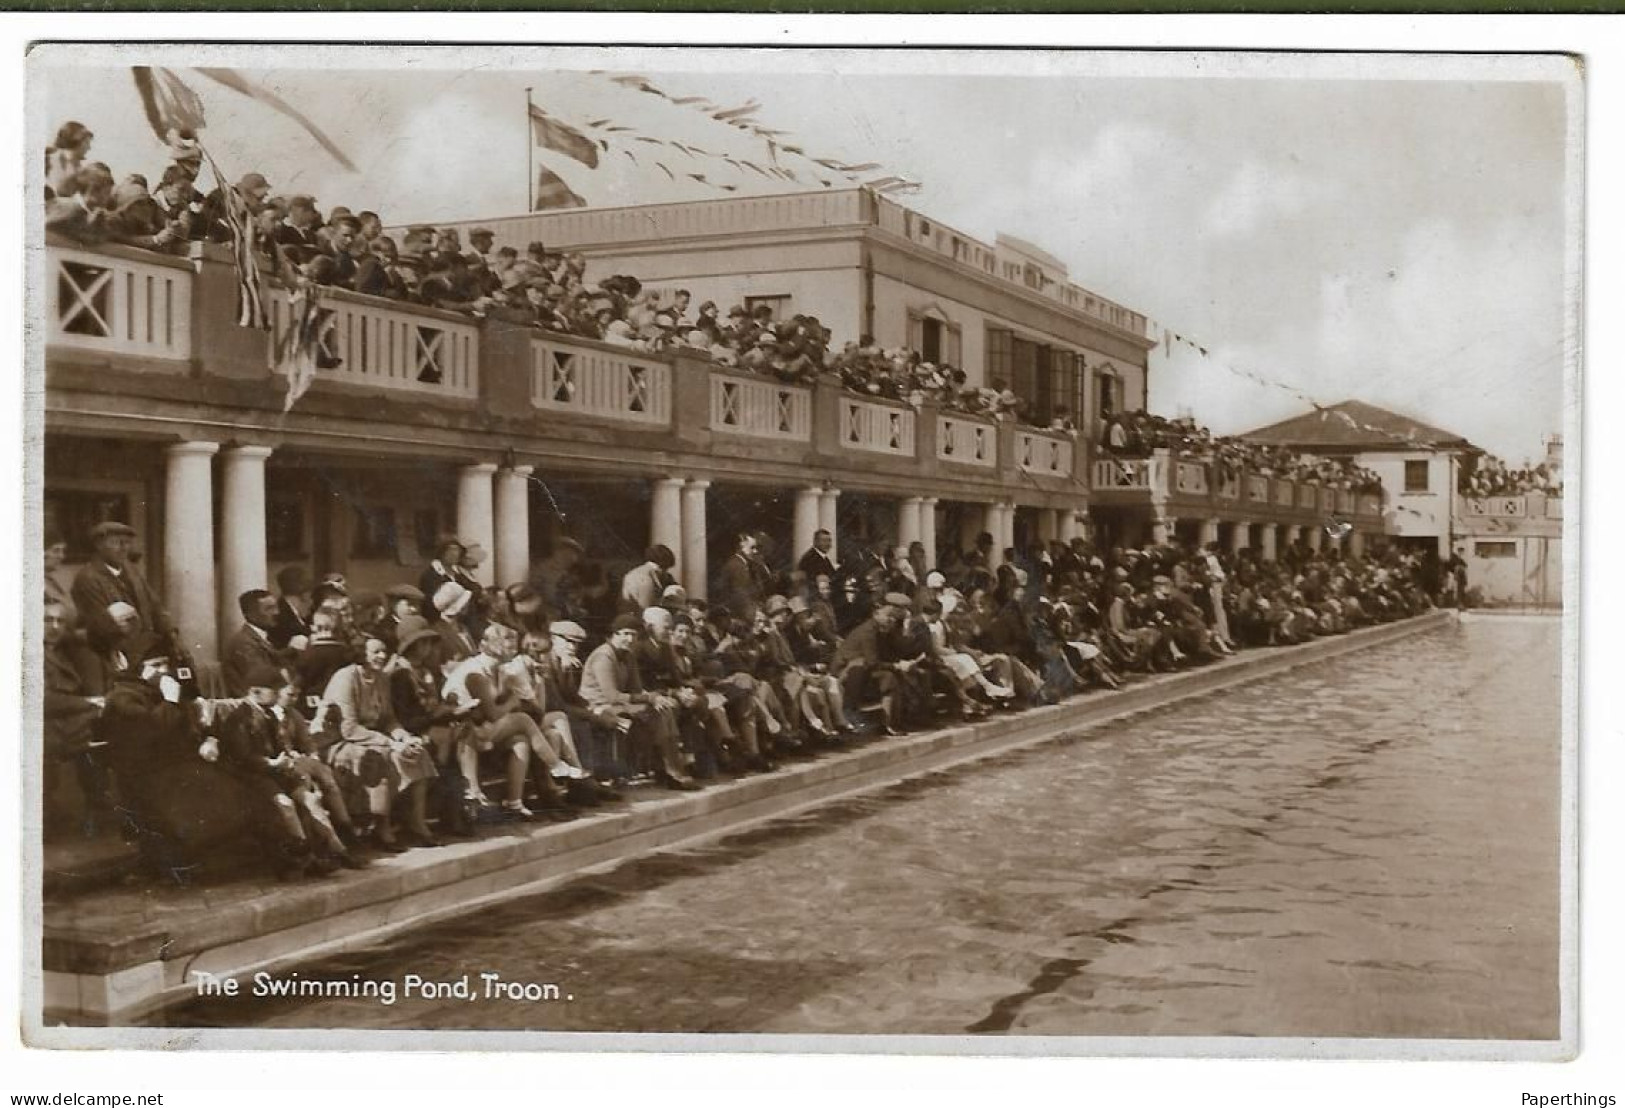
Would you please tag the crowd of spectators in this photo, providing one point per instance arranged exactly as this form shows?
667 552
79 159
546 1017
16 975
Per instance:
342 723
349 249
1490 476
1137 434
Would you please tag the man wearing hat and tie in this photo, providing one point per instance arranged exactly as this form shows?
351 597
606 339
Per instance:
109 578
402 602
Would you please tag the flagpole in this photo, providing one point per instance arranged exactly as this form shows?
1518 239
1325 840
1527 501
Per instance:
530 152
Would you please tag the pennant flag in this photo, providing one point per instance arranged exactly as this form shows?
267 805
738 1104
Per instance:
237 82
738 113
666 171
685 100
172 108
561 138
552 192
244 254
301 347
646 138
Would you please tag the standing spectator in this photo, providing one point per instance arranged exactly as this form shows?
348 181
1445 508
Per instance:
738 588
643 585
109 578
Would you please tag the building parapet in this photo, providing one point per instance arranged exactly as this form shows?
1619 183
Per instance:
1196 486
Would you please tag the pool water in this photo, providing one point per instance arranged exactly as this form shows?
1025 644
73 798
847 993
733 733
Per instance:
1365 847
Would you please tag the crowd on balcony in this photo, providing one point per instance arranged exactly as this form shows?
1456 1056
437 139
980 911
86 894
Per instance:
1490 476
1137 434
349 249
342 724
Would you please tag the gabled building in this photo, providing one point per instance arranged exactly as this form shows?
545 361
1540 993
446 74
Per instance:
1418 463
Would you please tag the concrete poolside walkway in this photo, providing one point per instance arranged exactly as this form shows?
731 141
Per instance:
114 955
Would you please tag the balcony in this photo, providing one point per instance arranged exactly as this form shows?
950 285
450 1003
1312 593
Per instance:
376 344
388 369
877 426
967 441
1185 487
119 301
751 406
1044 452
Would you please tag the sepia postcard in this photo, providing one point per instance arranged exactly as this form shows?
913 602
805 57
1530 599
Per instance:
866 550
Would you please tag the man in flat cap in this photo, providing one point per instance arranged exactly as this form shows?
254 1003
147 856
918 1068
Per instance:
252 189
109 578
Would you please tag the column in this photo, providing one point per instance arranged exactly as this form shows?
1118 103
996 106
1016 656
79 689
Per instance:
928 530
189 545
908 521
666 516
1238 537
1049 528
1266 539
692 558
993 524
1007 538
1070 528
806 524
1209 533
512 551
1163 528
1316 536
475 524
827 519
1356 544
242 531
1294 534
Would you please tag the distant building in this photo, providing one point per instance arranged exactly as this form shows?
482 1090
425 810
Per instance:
1418 463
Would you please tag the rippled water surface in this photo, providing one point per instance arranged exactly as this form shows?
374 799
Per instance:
1366 847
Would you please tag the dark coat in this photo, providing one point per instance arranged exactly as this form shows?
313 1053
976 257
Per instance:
96 587
245 650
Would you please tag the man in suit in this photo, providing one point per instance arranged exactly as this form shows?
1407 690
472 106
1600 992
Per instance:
108 579
738 588
292 626
250 647
820 557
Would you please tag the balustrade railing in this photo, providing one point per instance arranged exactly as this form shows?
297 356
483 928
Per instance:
1554 507
118 304
1229 484
1308 496
877 427
1370 504
1050 455
760 408
1190 478
1285 492
365 341
969 442
602 383
1495 507
1258 489
1124 473
1345 501
1328 500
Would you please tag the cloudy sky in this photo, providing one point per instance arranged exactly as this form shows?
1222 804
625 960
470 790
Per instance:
1345 231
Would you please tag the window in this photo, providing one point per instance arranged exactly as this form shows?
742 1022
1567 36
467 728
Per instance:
1416 476
1496 549
374 535
999 342
931 332
1026 380
1111 394
780 305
